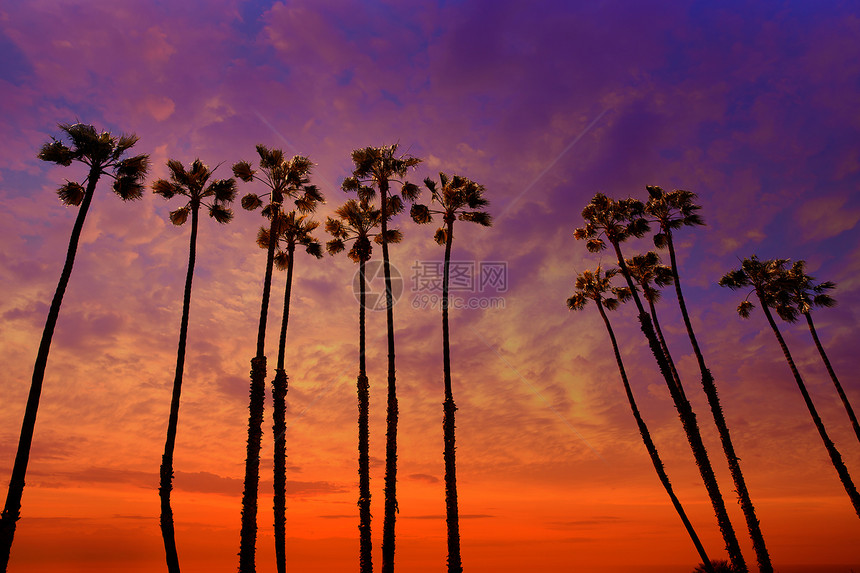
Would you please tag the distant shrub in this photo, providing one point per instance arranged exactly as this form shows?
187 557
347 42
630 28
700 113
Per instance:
719 567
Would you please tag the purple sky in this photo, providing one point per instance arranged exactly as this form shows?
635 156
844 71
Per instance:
754 107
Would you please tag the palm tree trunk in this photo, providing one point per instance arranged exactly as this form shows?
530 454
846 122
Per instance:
652 449
835 456
665 348
166 472
12 508
455 564
256 405
691 428
833 377
365 556
279 427
710 388
391 508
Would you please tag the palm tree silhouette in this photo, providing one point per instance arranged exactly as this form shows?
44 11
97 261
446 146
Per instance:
460 198
292 230
771 284
102 153
354 223
592 286
647 272
284 178
617 221
672 211
803 296
378 167
216 196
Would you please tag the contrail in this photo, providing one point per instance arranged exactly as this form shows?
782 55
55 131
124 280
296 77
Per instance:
554 161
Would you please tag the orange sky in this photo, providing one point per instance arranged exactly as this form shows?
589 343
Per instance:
753 108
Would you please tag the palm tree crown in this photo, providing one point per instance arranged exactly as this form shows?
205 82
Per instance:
671 211
102 153
192 184
647 271
459 198
354 222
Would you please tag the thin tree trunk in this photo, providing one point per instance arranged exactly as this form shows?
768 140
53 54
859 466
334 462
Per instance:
833 377
691 428
12 508
391 508
256 405
452 519
659 332
710 388
363 388
279 427
652 449
166 472
835 456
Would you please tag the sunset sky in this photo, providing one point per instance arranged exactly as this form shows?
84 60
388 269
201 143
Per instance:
753 106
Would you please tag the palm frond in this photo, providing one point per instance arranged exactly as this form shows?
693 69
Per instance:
479 217
334 246
221 213
314 248
410 191
179 216
263 238
56 152
128 188
745 308
441 236
71 193
243 171
224 190
165 188
595 245
251 201
420 213
281 259
133 168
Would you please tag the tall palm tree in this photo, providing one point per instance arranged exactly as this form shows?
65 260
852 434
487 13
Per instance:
378 167
293 230
284 178
215 197
592 286
647 272
102 153
355 222
618 221
672 211
803 296
770 284
457 198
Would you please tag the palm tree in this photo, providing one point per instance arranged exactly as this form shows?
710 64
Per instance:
618 221
354 223
216 196
102 153
593 286
770 283
284 178
672 211
378 167
293 230
805 295
457 198
645 270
